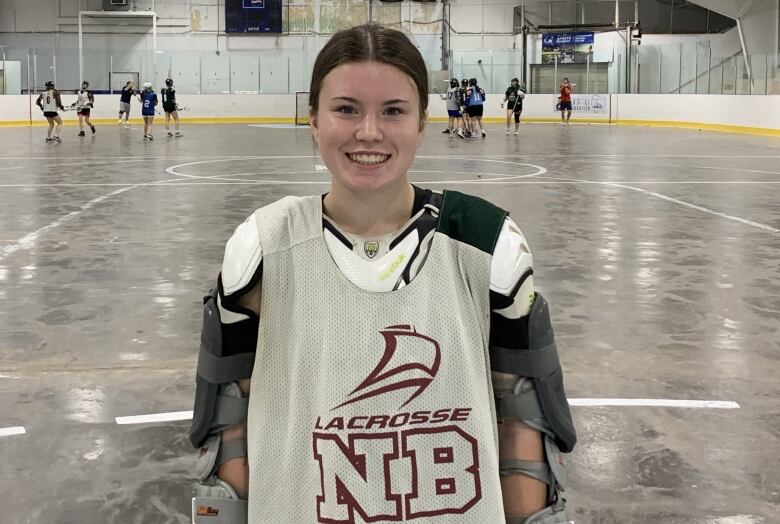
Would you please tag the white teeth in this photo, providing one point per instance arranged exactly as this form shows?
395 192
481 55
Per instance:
368 159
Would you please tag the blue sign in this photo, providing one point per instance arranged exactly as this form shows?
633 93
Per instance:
254 4
567 48
565 39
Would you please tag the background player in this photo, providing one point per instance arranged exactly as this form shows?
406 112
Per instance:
84 105
148 104
475 98
464 86
49 101
124 101
453 98
514 104
170 107
565 101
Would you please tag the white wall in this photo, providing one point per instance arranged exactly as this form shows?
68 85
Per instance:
730 110
747 111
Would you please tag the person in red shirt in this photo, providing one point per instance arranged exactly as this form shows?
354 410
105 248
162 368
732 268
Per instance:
565 101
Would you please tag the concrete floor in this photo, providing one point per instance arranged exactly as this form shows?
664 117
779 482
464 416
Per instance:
657 249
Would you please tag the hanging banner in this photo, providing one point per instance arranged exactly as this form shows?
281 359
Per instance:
569 48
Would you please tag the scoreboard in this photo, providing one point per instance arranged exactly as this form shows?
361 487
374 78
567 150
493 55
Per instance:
253 16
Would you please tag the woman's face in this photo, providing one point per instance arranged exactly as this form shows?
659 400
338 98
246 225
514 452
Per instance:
368 125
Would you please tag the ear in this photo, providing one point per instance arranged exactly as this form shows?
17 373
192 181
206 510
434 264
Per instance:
314 126
421 133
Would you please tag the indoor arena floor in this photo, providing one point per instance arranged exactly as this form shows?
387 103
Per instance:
658 250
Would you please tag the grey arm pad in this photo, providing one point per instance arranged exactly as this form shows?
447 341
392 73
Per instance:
535 360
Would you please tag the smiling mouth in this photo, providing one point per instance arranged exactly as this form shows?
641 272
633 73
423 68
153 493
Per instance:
365 159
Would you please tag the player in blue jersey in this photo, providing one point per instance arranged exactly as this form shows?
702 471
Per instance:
148 103
475 99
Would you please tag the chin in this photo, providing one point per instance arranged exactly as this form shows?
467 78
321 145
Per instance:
368 181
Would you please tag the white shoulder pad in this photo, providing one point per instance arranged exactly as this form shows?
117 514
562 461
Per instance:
511 259
243 254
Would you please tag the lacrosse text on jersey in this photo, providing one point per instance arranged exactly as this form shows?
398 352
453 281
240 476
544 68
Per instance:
403 464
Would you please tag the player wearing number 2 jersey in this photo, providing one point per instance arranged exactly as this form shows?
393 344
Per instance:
148 104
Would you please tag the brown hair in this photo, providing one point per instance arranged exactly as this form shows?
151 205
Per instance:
370 42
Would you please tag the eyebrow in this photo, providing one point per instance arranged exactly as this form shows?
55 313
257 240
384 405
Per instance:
386 103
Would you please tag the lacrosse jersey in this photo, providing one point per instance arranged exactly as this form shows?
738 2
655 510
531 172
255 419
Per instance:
374 406
49 101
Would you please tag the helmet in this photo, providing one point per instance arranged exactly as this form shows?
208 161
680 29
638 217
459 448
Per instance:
515 82
50 85
472 81
147 85
453 82
169 82
84 84
464 82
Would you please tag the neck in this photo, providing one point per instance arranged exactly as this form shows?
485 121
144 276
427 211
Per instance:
378 213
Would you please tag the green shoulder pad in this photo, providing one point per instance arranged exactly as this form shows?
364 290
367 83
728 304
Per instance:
471 220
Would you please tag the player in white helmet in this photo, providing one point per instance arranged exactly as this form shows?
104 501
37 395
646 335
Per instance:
148 100
84 105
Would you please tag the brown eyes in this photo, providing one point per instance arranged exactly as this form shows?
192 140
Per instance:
352 110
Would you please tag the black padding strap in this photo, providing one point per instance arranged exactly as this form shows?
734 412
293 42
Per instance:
219 370
531 363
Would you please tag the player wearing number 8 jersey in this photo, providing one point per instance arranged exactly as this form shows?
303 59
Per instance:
401 366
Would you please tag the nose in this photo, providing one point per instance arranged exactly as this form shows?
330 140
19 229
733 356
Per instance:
369 129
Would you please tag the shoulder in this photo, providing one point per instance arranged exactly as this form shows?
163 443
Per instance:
242 259
471 220
270 229
512 262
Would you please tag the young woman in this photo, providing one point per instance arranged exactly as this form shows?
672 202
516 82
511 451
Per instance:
124 102
84 105
476 97
373 325
49 101
148 104
170 107
514 104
